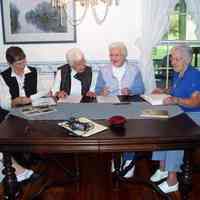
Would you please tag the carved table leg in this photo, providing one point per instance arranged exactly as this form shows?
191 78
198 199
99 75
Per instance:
186 186
10 184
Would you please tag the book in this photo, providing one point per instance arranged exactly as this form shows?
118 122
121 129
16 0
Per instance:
155 99
108 99
70 99
43 101
95 127
150 113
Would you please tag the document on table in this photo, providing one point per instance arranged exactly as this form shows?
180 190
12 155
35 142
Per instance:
70 99
108 99
155 99
94 127
151 113
43 101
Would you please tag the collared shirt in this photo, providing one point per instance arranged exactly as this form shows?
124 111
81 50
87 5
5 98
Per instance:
119 72
5 97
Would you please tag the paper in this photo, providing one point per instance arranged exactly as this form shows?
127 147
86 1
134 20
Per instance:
150 113
95 127
155 99
70 99
43 101
108 99
33 111
38 95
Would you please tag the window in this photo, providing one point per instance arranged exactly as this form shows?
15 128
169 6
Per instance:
182 29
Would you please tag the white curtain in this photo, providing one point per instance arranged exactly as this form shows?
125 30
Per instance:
193 8
155 23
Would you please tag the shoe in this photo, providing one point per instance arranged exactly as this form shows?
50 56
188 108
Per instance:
34 177
167 188
24 175
130 172
159 175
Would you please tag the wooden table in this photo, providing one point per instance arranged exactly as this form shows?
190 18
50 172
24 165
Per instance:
20 135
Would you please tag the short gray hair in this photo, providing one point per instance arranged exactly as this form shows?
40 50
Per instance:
186 52
73 55
119 45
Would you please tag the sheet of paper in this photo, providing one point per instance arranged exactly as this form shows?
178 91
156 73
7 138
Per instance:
108 99
38 95
33 111
155 99
43 101
95 127
70 99
151 113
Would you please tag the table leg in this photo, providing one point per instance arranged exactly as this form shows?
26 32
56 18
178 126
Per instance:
186 185
10 184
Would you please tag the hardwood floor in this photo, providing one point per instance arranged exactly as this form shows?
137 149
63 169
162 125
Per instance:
73 190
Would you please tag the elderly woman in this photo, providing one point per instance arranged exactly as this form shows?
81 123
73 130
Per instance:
186 83
74 78
120 78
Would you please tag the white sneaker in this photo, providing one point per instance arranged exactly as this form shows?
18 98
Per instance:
129 173
167 188
24 175
159 175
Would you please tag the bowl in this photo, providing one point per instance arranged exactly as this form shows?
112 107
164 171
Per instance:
117 121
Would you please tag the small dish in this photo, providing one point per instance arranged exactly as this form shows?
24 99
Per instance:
117 121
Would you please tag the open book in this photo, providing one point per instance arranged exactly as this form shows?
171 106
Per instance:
150 113
155 99
94 127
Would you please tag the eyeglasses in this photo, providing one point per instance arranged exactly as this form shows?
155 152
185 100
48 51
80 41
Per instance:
19 63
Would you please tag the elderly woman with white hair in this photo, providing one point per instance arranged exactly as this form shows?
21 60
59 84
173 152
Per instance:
186 83
74 78
120 78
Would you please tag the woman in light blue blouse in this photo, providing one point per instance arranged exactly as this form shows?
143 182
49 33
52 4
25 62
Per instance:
120 78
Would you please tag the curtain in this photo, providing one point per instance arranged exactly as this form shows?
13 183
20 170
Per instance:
155 23
193 7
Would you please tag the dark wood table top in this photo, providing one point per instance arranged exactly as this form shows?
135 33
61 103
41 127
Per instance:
179 132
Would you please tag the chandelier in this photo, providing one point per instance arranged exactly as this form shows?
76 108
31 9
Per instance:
62 5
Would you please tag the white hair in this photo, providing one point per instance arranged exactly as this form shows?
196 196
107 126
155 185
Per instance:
121 46
185 51
74 55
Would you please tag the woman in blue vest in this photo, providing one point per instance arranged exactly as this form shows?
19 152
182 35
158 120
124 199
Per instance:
186 83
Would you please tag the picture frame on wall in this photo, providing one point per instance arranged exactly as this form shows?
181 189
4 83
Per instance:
37 21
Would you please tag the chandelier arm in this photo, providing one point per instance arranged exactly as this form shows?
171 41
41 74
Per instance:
97 18
76 22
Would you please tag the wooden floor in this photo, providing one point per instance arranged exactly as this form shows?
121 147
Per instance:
54 172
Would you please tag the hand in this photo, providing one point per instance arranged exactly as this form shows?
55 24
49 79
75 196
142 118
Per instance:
158 91
105 91
61 94
125 91
91 94
20 101
171 100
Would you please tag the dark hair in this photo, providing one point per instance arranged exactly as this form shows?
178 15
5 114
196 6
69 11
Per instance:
14 54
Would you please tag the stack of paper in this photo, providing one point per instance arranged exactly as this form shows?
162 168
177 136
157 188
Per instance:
70 99
108 99
155 99
150 113
43 101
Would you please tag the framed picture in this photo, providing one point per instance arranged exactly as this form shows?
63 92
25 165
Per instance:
37 21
